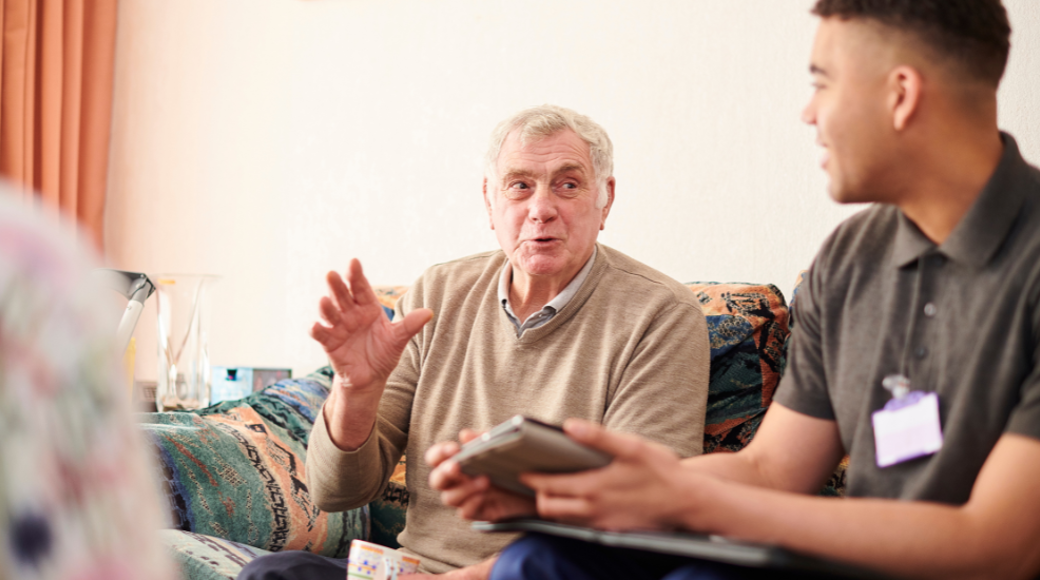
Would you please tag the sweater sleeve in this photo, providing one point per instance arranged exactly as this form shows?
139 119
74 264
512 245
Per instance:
341 480
663 390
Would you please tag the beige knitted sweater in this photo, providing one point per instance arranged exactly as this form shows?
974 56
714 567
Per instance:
630 350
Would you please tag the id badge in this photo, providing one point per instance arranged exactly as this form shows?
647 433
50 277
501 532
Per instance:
908 427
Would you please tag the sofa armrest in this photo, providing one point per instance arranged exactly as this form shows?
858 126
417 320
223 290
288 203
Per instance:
236 470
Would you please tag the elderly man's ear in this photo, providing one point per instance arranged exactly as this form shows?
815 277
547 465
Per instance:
487 204
610 202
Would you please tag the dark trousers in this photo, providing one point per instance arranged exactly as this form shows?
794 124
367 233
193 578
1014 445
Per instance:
294 565
540 557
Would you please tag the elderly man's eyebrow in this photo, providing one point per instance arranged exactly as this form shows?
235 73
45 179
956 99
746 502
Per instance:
570 167
511 173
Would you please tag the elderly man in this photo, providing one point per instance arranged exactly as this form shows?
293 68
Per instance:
551 326
917 348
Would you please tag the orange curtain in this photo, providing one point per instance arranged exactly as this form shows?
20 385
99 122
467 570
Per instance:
57 59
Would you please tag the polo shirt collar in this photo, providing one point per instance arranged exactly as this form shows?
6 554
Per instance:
979 234
910 242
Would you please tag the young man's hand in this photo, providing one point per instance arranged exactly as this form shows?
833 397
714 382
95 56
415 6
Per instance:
638 490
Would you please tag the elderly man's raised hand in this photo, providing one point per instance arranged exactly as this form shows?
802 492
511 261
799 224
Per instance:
363 346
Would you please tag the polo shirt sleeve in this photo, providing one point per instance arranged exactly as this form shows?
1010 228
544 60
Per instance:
1025 417
803 387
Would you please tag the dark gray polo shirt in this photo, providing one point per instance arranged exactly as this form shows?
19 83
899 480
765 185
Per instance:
964 315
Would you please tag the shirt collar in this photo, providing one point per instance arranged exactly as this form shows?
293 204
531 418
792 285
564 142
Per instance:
560 300
979 234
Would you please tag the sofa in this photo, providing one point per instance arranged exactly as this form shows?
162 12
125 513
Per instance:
234 477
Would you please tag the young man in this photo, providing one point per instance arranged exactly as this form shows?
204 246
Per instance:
927 301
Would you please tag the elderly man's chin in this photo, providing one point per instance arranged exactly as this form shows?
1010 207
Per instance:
543 262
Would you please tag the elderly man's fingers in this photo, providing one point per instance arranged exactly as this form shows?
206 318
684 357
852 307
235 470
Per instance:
329 312
463 490
412 323
598 437
446 475
479 506
359 286
472 508
338 291
321 333
438 452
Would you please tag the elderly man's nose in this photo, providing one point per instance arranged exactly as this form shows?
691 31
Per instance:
542 208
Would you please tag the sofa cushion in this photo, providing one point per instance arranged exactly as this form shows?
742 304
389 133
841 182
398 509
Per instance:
747 328
236 471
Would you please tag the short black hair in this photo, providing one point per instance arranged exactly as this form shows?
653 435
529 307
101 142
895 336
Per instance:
972 34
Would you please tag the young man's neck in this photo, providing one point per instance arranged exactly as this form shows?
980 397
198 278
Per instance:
949 178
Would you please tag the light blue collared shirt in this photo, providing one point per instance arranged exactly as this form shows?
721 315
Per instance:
549 310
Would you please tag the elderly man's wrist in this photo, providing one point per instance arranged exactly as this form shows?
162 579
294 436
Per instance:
341 382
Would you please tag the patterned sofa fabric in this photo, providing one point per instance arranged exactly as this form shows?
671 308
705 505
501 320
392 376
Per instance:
236 471
748 330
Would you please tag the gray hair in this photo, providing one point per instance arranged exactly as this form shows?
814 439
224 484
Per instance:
541 122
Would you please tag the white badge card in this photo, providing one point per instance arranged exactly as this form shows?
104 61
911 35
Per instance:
908 427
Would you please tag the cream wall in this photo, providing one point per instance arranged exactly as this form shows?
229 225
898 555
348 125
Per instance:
269 141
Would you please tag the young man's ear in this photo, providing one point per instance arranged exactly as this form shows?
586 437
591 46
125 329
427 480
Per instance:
905 84
487 204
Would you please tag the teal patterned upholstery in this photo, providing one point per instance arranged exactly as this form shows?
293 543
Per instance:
235 471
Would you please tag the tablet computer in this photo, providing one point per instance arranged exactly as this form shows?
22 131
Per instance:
700 546
523 445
